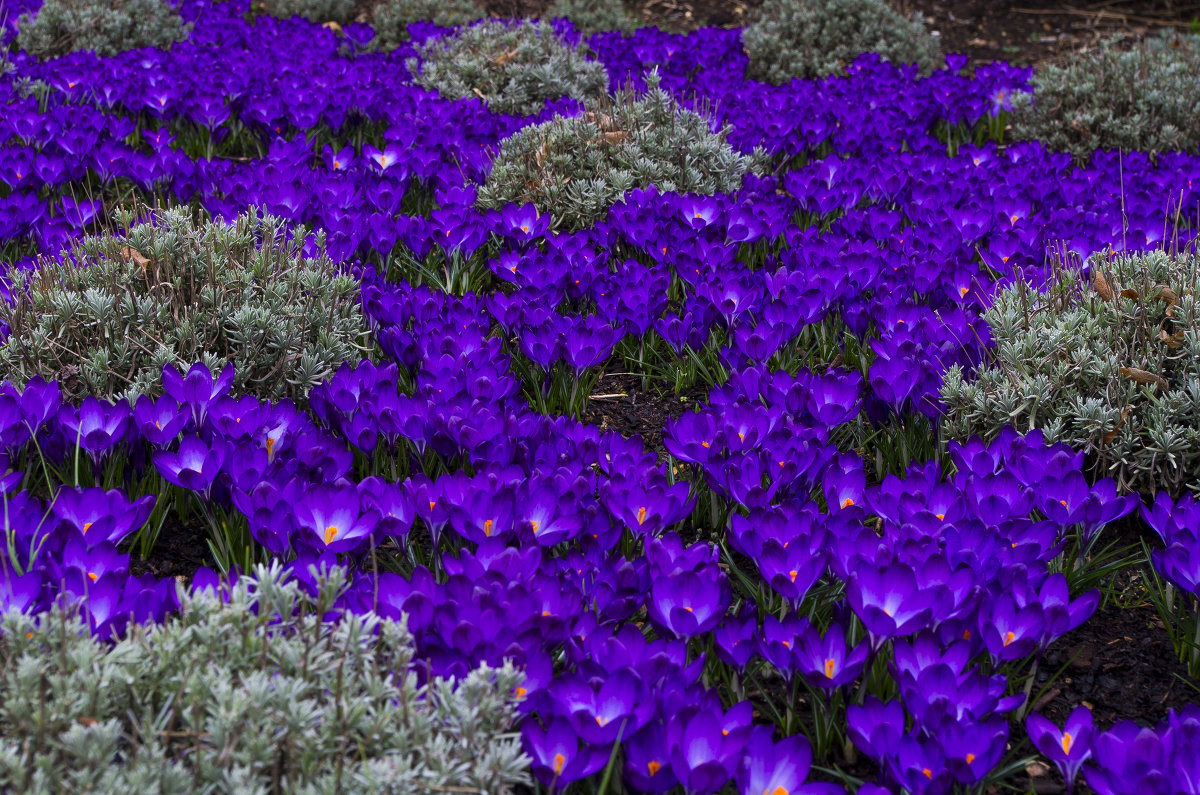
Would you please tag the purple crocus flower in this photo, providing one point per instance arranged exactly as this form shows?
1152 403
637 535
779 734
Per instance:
97 425
101 515
823 661
335 518
770 767
1069 747
735 637
704 754
688 603
888 602
159 421
557 755
198 389
600 710
648 760
194 465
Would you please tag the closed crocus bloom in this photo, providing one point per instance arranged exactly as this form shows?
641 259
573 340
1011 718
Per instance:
1068 748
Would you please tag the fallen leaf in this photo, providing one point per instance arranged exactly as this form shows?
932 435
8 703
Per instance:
1145 377
504 58
1100 285
1108 437
133 255
335 27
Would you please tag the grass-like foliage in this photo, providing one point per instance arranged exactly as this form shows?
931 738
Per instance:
319 11
594 16
252 691
576 168
513 67
391 18
1116 97
106 317
106 27
1108 362
814 38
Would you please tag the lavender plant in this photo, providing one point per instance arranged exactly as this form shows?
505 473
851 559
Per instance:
248 690
514 68
1107 361
340 11
576 168
105 27
1116 97
594 16
814 38
105 318
391 18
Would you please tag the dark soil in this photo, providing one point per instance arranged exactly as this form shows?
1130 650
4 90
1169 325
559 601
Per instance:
618 403
178 552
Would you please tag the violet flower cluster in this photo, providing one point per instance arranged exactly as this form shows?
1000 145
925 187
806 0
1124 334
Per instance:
905 608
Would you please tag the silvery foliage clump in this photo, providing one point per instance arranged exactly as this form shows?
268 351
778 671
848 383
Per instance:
513 67
1141 97
105 27
391 18
576 168
594 16
106 316
340 11
1107 362
255 691
814 38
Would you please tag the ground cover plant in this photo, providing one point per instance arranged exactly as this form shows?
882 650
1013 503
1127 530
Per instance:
802 588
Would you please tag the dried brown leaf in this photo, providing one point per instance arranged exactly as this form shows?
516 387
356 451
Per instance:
1100 285
1145 377
133 255
1108 437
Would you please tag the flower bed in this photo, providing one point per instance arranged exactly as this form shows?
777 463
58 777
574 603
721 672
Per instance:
803 591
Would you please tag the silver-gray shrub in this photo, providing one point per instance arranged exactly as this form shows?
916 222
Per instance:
105 27
391 18
340 11
259 694
576 168
104 318
513 67
814 38
1117 96
1108 363
594 16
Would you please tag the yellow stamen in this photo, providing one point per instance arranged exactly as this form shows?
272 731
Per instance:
829 668
487 528
1066 742
641 516
559 761
86 526
1008 638
846 503
330 533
